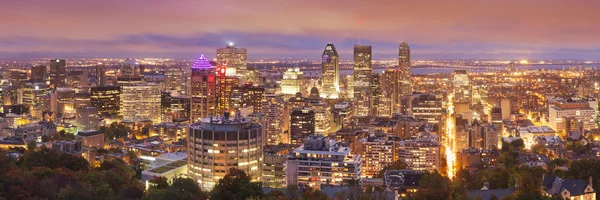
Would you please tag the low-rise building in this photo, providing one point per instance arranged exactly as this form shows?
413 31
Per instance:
91 138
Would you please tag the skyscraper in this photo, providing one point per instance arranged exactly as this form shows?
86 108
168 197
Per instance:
330 77
225 85
362 80
38 73
234 59
221 144
107 99
462 86
100 75
203 89
293 82
302 124
141 102
404 74
58 73
273 108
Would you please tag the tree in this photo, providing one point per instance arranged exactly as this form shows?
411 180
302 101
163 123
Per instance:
292 192
396 165
146 130
236 185
433 186
311 194
31 145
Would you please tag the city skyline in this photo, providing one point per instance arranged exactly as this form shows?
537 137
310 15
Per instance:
435 29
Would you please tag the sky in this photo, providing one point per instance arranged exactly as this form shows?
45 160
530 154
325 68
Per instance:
435 29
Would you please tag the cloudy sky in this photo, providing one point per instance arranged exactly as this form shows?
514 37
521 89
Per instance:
435 29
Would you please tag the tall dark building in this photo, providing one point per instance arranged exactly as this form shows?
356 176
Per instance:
38 73
18 77
404 82
302 124
362 80
330 63
203 90
246 96
375 94
58 73
100 75
107 99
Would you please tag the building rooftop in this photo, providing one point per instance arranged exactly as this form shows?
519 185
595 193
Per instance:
90 132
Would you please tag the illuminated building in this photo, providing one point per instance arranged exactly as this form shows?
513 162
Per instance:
330 76
362 80
58 73
571 124
107 99
375 94
63 100
203 94
482 135
480 95
390 92
322 112
273 108
506 109
174 108
220 144
341 112
428 107
234 59
580 110
87 118
141 103
293 82
274 166
302 124
248 96
462 85
18 77
38 73
225 85
349 87
422 153
173 80
404 72
322 161
376 153
91 138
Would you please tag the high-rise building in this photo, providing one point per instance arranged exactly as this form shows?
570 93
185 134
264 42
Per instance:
389 86
203 90
100 75
38 73
404 72
225 85
322 161
247 96
302 124
293 82
141 103
376 153
580 110
58 73
330 76
234 59
462 86
422 153
18 77
375 94
362 80
107 99
87 118
273 108
428 107
506 108
219 144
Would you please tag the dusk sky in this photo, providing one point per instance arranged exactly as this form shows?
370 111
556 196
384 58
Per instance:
435 29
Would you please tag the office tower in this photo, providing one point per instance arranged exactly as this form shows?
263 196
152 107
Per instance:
506 109
580 110
234 59
37 96
87 118
293 82
422 153
203 92
375 94
302 124
100 75
428 107
221 144
389 86
349 87
38 73
175 80
362 80
404 72
274 166
462 85
322 161
107 99
376 153
273 108
330 76
174 108
342 112
18 77
480 94
247 96
225 84
141 103
63 100
58 73
322 112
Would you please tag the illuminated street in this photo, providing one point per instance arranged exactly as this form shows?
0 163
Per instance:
449 139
